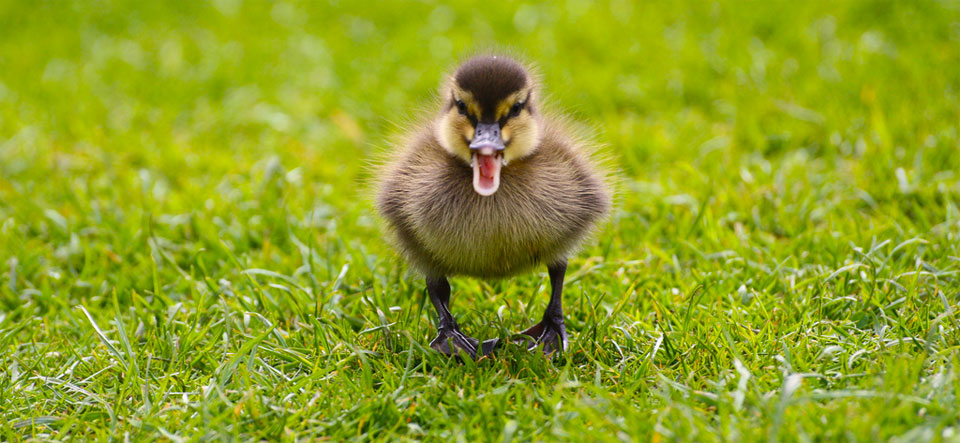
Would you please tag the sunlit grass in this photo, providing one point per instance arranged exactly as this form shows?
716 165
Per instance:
186 250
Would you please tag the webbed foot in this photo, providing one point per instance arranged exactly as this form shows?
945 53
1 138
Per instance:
551 333
450 341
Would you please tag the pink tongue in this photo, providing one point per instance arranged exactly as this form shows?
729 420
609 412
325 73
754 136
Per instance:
486 173
488 164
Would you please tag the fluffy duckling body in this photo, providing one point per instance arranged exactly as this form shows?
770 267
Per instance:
489 189
545 205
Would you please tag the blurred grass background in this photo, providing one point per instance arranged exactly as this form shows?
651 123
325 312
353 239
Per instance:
186 249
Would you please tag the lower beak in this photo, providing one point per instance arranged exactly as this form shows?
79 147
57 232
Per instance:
487 158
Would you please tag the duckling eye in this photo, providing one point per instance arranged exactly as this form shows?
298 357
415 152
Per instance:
462 107
515 109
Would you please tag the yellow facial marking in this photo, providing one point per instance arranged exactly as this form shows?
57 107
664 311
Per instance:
503 108
522 133
452 131
467 98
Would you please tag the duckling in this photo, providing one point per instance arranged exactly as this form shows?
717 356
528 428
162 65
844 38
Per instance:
491 188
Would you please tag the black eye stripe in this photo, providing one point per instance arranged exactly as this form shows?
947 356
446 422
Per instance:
462 108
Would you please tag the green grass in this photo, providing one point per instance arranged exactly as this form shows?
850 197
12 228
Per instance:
186 250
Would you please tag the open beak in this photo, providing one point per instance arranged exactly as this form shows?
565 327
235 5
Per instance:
487 159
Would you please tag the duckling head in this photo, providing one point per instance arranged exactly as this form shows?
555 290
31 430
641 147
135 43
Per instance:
488 117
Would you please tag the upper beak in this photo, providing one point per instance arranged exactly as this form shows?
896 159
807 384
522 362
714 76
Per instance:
487 135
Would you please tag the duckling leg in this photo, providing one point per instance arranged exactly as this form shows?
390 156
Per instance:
449 339
551 331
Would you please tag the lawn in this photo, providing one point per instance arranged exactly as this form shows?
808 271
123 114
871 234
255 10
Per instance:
188 249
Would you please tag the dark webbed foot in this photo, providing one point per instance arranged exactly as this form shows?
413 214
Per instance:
450 341
552 334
